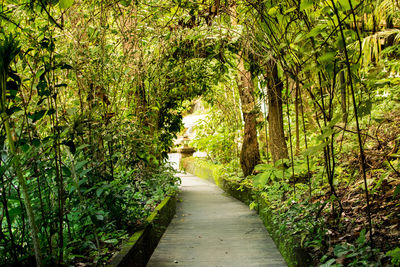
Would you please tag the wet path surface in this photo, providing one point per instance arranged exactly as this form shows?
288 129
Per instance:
213 229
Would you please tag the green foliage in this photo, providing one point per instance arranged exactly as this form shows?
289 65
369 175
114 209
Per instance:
66 3
219 133
9 49
220 146
269 173
94 94
360 254
396 191
395 254
281 171
91 133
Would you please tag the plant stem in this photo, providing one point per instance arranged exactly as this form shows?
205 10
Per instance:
25 194
362 155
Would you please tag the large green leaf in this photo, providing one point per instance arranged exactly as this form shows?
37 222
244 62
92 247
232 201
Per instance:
126 3
305 4
317 30
37 115
262 178
314 149
66 3
364 108
344 4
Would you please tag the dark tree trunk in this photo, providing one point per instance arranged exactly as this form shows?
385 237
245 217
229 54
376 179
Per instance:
250 154
275 117
296 104
343 94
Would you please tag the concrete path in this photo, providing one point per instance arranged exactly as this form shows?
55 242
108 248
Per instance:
213 229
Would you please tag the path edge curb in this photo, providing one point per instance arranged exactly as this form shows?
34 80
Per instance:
137 250
288 245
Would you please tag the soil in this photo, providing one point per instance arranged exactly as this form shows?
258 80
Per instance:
381 145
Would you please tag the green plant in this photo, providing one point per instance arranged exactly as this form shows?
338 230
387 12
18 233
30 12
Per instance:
9 49
395 255
360 254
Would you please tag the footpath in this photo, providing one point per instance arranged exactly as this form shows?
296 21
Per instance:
211 228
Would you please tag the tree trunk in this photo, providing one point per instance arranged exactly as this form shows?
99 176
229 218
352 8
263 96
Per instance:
343 102
296 104
250 154
275 116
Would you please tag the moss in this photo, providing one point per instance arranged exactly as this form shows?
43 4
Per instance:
159 207
135 237
139 247
203 169
287 243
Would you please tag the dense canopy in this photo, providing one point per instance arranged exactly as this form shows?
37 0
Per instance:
302 102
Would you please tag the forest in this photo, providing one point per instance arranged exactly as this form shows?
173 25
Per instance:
302 102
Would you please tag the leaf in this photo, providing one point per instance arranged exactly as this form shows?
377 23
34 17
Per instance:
99 191
361 238
80 164
395 254
13 212
263 167
299 38
262 178
344 4
282 162
317 30
126 3
12 110
37 115
281 174
273 11
84 172
71 189
51 111
41 85
328 263
66 3
364 108
65 66
325 134
82 147
314 149
66 171
305 4
290 10
36 142
397 191
334 121
327 57
113 241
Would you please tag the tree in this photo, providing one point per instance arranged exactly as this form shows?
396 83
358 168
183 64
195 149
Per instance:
275 115
250 154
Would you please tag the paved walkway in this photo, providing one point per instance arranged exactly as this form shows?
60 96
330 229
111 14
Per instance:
213 229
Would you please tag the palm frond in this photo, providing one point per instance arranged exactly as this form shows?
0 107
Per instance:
372 44
9 49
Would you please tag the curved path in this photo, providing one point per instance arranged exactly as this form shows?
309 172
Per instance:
213 229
